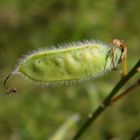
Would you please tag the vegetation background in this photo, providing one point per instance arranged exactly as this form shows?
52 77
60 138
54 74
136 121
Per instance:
36 113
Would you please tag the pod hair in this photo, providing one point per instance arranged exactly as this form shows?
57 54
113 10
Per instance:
69 63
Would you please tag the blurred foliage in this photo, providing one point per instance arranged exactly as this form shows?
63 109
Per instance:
35 112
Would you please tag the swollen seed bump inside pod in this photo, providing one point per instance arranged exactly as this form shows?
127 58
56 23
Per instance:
71 62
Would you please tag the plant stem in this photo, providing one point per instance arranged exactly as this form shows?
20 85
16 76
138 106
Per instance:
106 102
120 96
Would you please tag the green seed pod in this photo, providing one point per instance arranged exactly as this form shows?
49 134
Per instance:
72 62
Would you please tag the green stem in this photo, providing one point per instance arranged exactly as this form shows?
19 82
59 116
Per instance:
106 102
126 92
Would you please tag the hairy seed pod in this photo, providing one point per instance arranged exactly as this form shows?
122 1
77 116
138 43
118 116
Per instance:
72 62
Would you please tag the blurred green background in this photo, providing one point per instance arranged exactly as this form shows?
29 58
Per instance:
38 112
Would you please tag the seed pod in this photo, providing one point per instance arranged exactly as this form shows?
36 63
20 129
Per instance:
72 62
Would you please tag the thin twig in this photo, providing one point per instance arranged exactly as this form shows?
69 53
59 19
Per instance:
135 84
106 102
5 81
9 91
